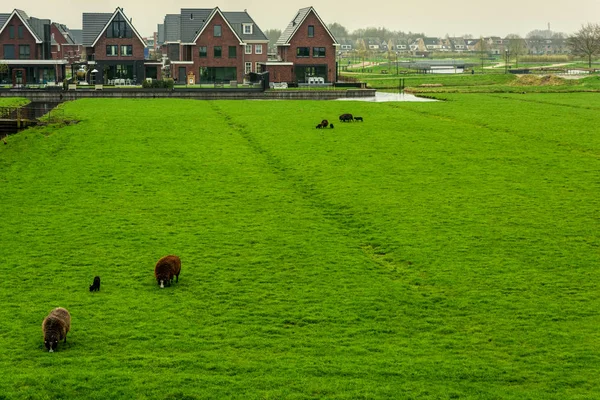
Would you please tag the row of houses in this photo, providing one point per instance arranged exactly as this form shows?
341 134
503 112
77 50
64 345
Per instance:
491 45
198 45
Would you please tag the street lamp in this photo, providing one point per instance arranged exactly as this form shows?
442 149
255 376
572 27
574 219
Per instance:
397 73
506 57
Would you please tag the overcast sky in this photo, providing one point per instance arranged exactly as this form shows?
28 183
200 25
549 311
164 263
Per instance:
433 17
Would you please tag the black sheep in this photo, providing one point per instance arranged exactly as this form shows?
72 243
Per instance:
358 119
95 287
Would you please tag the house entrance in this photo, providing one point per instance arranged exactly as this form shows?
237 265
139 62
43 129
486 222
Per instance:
19 76
181 75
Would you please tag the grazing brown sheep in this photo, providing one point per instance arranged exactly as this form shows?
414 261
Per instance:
346 117
55 327
166 268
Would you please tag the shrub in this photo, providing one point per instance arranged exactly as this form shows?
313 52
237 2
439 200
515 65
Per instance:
158 84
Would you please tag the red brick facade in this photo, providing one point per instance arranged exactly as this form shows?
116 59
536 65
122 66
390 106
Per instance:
103 41
228 38
28 39
320 39
280 72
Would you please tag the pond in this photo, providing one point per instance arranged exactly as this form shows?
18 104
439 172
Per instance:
386 96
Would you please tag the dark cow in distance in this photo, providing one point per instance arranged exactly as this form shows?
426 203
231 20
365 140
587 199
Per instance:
167 268
346 117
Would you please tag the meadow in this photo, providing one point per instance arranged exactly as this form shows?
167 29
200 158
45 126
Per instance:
440 250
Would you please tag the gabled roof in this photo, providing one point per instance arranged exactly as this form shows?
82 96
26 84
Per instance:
95 27
192 21
3 19
65 32
293 26
26 22
214 12
236 20
93 24
172 23
77 35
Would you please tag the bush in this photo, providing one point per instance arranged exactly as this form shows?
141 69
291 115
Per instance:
158 84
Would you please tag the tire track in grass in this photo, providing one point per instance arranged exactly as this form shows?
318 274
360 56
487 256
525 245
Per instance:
542 102
341 215
572 147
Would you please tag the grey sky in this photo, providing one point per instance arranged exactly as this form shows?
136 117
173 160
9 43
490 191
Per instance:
433 17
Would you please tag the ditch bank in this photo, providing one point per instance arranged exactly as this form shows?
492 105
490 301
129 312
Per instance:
54 96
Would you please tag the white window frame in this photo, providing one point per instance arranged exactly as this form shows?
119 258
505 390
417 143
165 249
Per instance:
247 29
258 48
257 68
248 67
248 49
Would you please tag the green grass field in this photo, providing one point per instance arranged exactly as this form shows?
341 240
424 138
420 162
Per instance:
438 250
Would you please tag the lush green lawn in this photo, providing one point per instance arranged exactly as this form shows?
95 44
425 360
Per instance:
435 251
12 101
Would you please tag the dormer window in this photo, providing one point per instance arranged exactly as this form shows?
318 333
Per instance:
247 29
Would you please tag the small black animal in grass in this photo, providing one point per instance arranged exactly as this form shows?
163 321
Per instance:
358 119
331 126
95 287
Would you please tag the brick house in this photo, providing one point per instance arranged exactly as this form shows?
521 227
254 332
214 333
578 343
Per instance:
64 44
26 48
115 49
209 45
306 49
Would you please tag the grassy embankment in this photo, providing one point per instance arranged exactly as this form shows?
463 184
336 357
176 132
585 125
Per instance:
437 250
12 101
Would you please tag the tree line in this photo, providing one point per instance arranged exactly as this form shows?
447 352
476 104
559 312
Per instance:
585 42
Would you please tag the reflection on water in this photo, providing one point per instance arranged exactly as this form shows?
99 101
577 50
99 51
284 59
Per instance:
383 97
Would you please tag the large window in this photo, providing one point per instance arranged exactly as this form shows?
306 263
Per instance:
202 50
258 68
248 49
119 28
112 50
232 51
248 68
120 71
24 52
11 31
217 31
303 52
126 50
311 31
258 49
303 73
217 50
217 74
9 51
318 51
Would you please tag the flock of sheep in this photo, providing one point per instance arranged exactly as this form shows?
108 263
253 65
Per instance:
58 323
343 118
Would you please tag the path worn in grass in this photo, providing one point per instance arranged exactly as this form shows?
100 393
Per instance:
437 250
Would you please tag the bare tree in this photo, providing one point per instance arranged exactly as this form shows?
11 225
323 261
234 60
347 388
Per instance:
273 36
483 48
586 41
516 47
